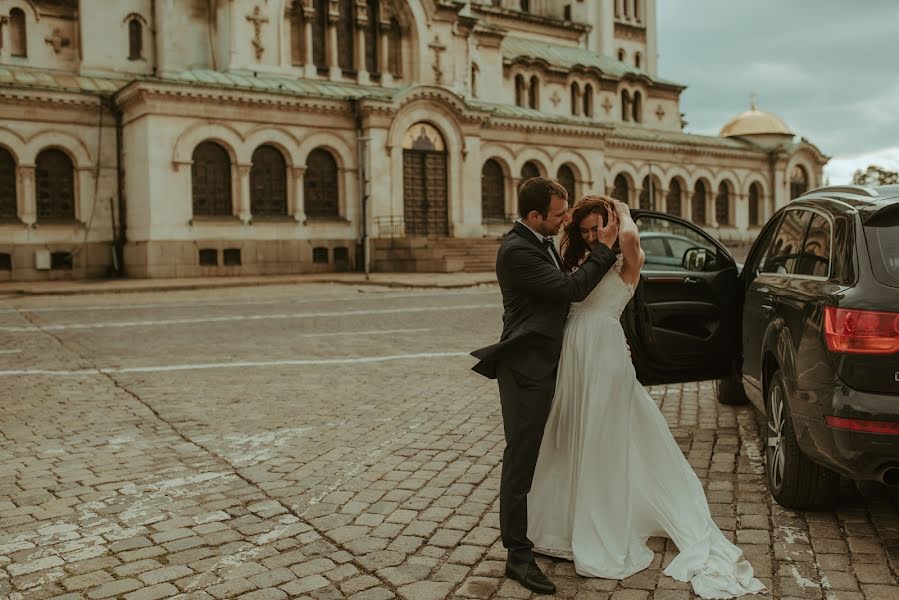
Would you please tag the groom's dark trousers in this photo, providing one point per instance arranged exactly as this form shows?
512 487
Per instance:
536 296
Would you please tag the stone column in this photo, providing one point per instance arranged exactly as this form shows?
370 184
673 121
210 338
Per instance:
243 196
334 71
28 206
308 16
362 20
384 53
4 38
299 202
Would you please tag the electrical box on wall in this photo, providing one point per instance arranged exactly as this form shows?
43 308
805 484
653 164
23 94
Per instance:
42 260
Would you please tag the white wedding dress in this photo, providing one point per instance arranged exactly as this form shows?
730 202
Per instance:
610 475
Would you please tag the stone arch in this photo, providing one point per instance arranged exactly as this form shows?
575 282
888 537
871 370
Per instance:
675 182
442 113
728 176
342 152
28 6
281 139
229 138
13 142
71 145
619 168
502 155
577 162
536 155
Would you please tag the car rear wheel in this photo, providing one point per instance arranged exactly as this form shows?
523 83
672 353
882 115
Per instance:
793 480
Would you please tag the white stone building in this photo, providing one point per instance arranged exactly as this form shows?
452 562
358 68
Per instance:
166 138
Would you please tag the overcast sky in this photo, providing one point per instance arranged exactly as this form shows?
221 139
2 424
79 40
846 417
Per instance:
829 68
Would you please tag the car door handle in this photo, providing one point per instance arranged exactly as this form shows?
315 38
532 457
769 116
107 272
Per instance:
768 310
691 280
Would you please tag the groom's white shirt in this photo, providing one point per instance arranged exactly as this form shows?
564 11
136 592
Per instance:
541 238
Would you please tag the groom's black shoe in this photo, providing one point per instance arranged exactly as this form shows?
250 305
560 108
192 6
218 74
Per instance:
530 576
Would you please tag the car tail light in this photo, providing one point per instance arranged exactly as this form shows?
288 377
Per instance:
863 426
861 331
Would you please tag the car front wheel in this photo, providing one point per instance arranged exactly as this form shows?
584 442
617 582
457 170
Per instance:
793 479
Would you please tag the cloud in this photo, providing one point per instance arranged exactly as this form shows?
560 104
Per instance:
824 66
839 170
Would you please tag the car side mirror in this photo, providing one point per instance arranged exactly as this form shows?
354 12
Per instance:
695 259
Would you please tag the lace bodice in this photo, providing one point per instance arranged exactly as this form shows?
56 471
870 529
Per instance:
609 297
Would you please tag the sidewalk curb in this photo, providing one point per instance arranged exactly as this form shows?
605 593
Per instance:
201 285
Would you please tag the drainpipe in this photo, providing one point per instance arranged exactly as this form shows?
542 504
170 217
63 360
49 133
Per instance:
362 176
120 183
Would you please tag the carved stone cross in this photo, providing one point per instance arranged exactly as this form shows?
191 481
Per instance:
660 112
438 47
57 41
607 105
258 20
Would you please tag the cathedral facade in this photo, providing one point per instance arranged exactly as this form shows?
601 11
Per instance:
176 138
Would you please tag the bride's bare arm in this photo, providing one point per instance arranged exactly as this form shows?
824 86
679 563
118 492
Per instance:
629 241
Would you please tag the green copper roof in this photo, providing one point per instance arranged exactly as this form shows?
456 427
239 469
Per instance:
58 81
644 134
269 83
569 57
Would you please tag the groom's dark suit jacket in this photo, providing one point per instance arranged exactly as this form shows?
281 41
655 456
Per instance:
536 297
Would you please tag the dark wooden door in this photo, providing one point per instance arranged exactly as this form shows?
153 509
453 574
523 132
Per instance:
424 192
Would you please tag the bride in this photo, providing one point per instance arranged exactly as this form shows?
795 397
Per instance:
609 474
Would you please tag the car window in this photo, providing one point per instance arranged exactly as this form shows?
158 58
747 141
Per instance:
759 253
656 232
679 246
815 257
785 250
653 246
882 237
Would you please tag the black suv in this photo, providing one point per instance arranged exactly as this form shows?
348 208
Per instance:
808 331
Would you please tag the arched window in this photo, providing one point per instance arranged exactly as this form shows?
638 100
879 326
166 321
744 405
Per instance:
649 194
697 203
320 188
673 198
474 80
565 176
621 55
637 108
798 182
8 205
135 39
625 105
638 59
320 34
394 49
268 183
534 93
637 14
575 98
18 42
346 36
588 100
373 37
211 180
627 9
297 33
55 182
493 193
722 204
528 170
519 90
622 189
755 197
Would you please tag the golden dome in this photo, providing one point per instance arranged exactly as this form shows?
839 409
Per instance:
755 122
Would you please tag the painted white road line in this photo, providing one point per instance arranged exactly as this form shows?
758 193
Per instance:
236 365
312 315
288 301
370 332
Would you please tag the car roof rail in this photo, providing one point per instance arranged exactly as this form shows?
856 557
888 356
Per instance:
858 190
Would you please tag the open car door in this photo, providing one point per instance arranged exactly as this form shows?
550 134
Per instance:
683 321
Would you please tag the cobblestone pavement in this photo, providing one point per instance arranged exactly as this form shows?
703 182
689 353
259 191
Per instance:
321 441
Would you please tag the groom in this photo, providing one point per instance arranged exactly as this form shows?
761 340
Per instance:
536 293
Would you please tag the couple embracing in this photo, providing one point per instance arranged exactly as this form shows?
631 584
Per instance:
590 470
